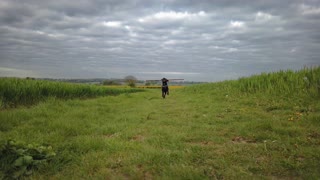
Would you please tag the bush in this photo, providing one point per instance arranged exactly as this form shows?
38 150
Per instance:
18 159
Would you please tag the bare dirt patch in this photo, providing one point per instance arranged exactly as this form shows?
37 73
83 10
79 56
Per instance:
240 139
138 138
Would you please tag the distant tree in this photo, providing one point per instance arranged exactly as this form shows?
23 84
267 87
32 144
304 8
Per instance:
110 82
131 81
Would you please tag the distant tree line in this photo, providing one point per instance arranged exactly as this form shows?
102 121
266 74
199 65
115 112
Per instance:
110 82
129 80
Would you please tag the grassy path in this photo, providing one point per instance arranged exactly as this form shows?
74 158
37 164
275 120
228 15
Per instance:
185 136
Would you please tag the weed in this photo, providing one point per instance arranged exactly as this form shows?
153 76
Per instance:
18 159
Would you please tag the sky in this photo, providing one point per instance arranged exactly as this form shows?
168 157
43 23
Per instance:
196 40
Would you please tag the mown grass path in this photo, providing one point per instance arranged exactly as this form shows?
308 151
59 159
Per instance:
188 135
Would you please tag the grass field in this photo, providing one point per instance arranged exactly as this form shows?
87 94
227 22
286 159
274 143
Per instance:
209 131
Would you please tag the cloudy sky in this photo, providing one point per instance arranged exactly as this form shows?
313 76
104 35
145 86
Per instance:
198 40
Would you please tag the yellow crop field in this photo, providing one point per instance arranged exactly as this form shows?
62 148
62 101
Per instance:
155 87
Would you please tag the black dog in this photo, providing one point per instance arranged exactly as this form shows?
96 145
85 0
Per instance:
165 88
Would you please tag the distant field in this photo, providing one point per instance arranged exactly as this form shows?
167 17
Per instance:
158 87
261 127
145 87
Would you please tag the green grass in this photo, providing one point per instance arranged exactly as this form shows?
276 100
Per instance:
211 131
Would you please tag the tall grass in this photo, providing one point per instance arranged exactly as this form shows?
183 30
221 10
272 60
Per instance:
305 81
15 91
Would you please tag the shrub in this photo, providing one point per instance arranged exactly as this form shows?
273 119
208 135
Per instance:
18 159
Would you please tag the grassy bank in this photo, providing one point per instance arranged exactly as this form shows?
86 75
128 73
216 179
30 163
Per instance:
211 131
304 82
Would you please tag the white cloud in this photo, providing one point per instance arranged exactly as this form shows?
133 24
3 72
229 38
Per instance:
39 32
293 50
170 42
52 35
223 49
237 24
309 10
128 28
177 31
229 50
131 32
235 41
12 72
4 4
112 24
262 17
115 49
172 16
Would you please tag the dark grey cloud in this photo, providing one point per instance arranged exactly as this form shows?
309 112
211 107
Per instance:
205 40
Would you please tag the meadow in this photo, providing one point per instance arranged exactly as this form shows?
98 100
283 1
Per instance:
261 127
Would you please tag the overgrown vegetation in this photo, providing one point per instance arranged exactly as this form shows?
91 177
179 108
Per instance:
14 91
209 131
18 159
302 82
